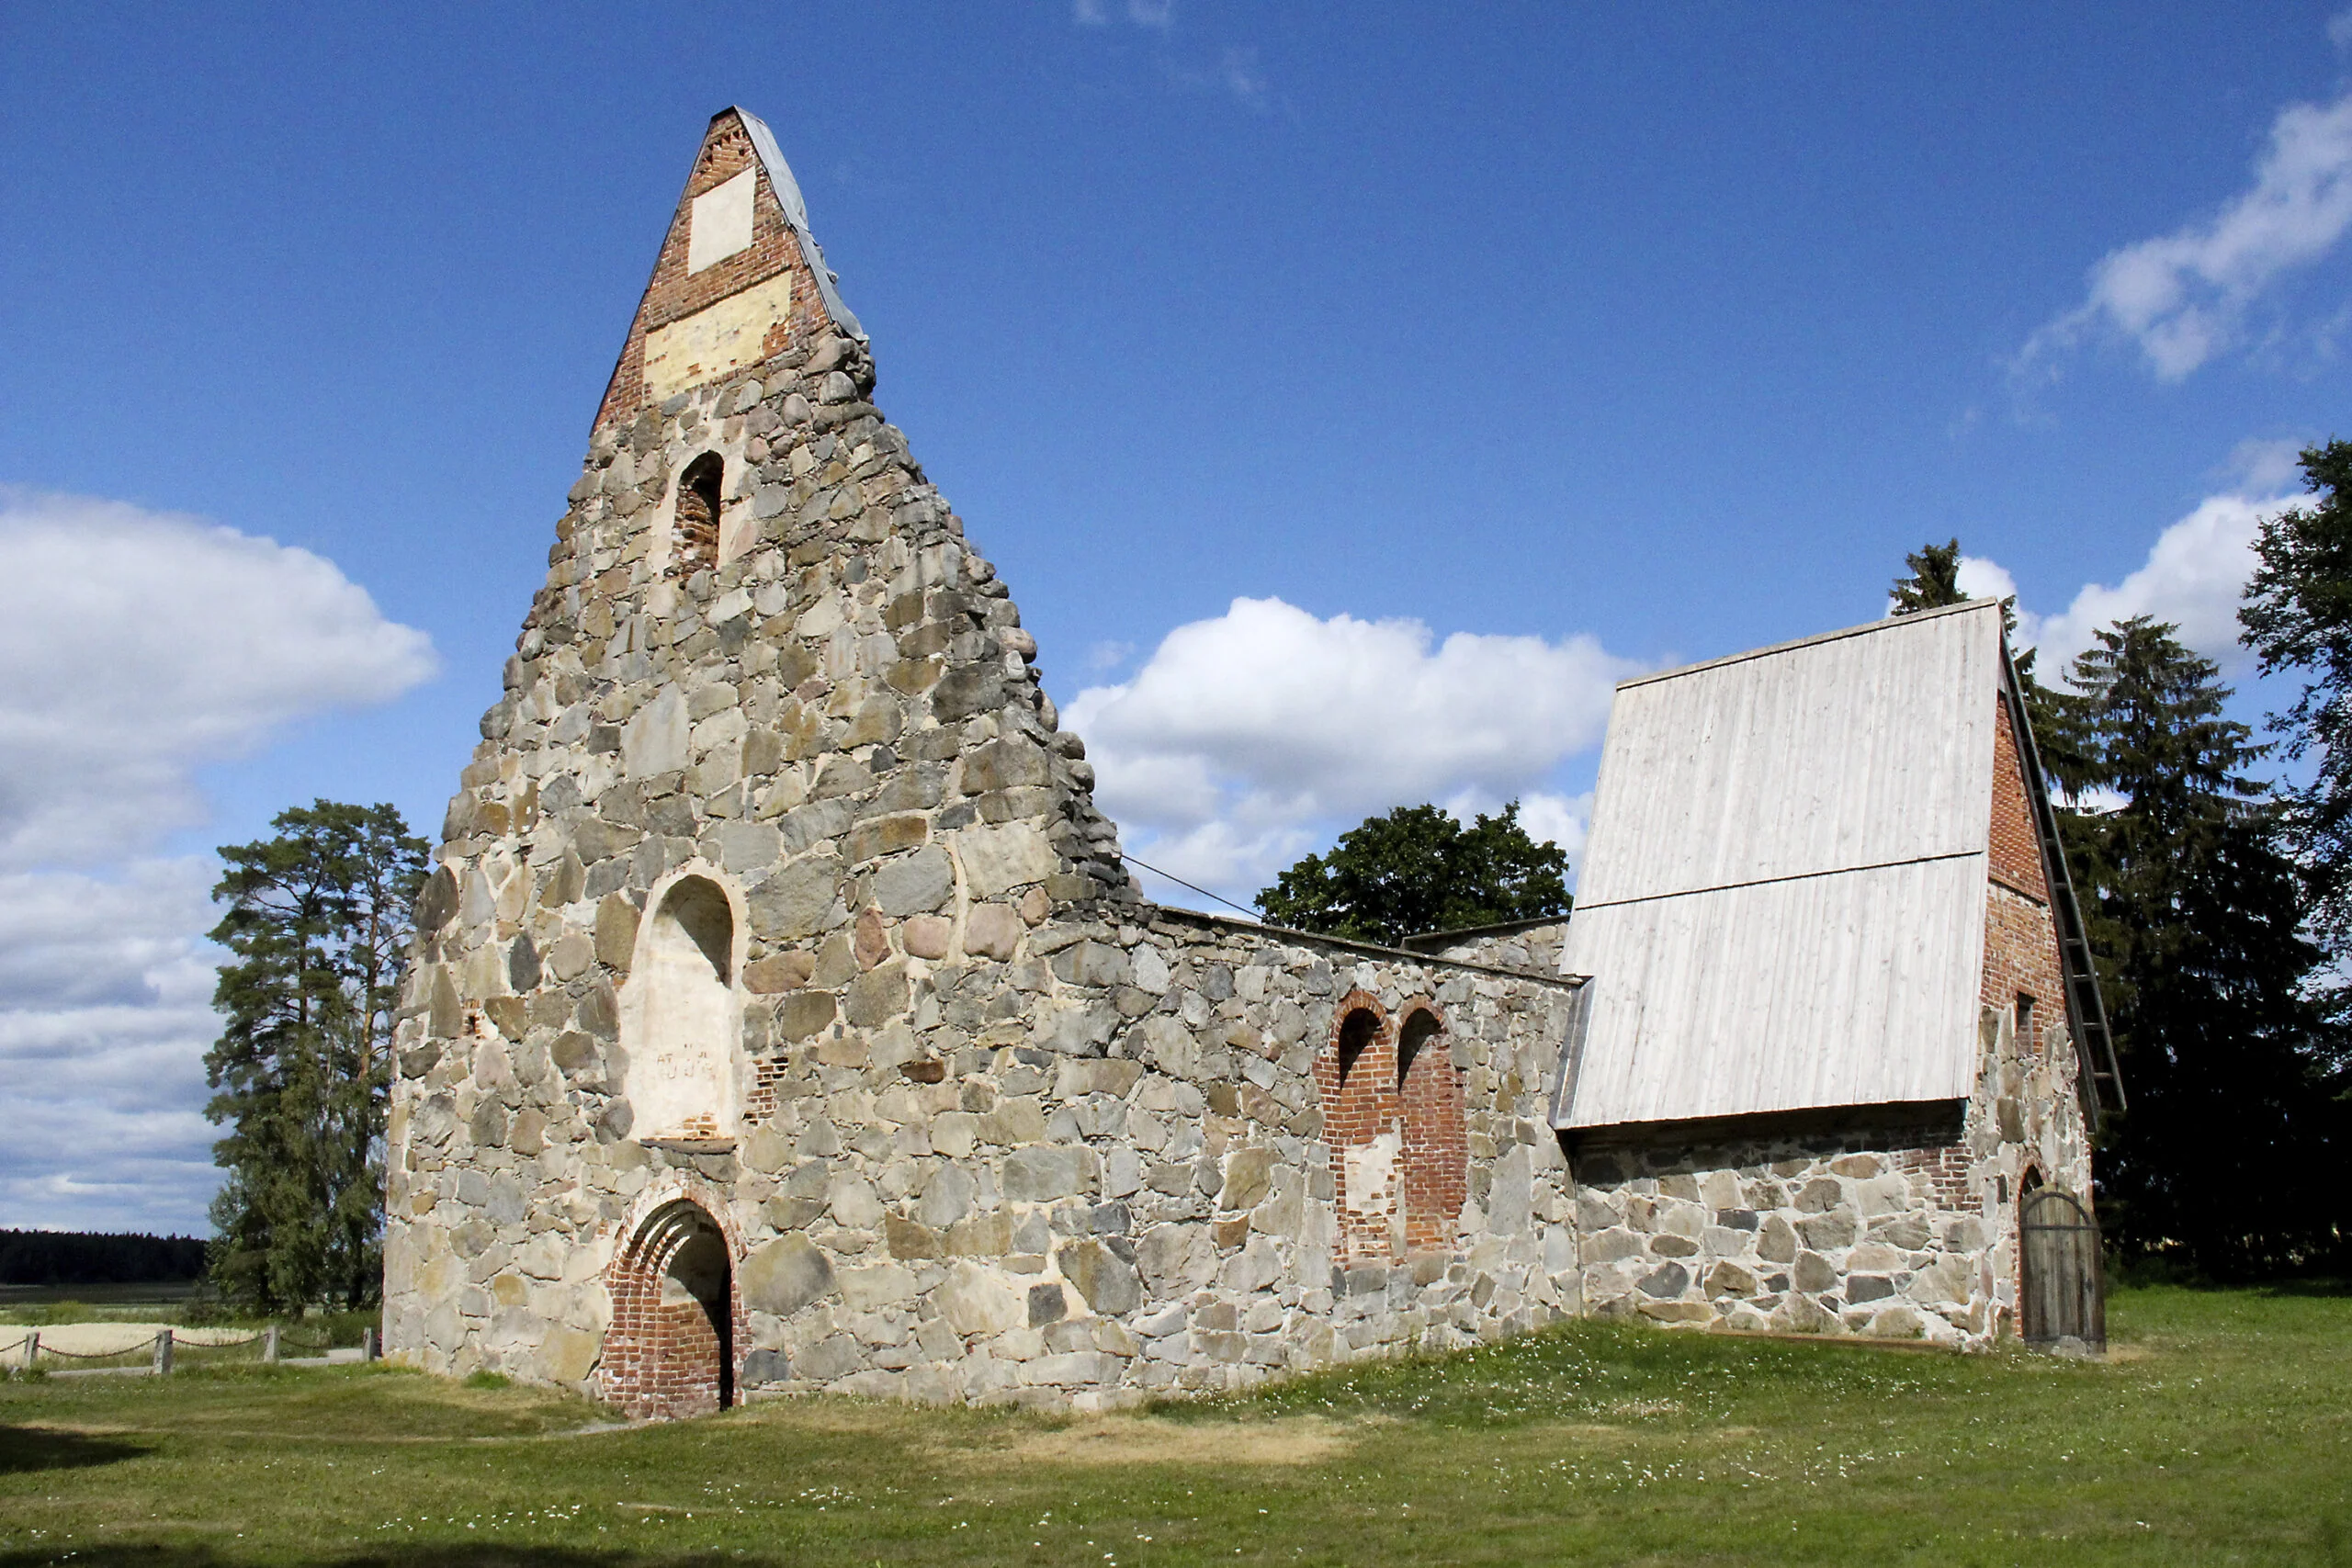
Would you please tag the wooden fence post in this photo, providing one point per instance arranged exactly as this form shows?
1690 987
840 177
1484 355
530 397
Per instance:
32 1347
163 1352
269 1343
371 1345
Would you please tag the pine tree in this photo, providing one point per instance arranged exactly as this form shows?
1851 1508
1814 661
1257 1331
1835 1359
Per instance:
1417 869
318 920
2230 1060
2298 616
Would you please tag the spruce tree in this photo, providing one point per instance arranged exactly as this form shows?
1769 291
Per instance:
1934 582
2225 1159
2298 618
318 920
1417 869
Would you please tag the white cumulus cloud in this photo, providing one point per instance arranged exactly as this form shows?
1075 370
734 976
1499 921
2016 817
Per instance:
105 991
1246 739
2194 577
144 644
2182 298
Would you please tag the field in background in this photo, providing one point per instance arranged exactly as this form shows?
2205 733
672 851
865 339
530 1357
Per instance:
25 1303
2221 1431
53 1307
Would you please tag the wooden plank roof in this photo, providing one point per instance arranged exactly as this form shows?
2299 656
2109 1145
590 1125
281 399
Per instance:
1782 900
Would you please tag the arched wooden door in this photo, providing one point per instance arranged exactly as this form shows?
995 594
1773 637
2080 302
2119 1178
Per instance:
2065 1291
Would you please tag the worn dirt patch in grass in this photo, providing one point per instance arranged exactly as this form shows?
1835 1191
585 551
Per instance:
1140 1439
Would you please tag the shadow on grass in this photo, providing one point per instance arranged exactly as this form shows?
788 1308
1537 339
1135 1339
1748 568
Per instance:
26 1449
127 1556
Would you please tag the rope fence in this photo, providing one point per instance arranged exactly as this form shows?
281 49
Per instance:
28 1352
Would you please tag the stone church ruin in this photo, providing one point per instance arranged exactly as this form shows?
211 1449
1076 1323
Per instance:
784 1016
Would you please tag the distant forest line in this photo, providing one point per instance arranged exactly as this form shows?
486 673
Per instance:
81 1257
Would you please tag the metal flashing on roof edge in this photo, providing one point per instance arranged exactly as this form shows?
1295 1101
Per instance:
796 212
1571 1056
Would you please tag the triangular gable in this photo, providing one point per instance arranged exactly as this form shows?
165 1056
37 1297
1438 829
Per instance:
739 278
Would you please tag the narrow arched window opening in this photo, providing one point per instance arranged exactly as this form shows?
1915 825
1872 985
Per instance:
1355 1034
698 914
698 491
1417 1032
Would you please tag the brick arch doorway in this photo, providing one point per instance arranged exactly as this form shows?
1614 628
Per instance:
677 1317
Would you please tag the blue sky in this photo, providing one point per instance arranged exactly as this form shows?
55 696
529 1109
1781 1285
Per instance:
1487 361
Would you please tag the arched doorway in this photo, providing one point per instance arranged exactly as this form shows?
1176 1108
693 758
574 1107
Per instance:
2063 1293
672 1348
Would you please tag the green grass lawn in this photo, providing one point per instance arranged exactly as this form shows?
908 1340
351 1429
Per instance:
2220 1432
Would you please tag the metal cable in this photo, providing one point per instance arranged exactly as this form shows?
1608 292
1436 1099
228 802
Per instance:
1179 882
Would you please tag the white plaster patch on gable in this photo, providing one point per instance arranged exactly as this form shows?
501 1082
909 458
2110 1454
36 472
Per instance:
721 221
715 339
681 1013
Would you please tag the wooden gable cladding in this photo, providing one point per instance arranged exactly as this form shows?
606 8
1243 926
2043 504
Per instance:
1784 900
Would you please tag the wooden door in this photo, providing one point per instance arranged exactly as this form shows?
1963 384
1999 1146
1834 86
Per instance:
2066 1295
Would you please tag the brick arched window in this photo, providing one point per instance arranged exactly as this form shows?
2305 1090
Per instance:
697 530
1356 1078
1357 1032
1436 1154
677 1317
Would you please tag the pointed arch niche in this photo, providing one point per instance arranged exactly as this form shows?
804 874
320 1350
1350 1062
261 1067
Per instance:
1436 1152
1356 1078
1393 1119
681 1014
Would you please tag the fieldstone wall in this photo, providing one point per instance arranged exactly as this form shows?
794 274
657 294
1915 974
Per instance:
775 892
1129 1190
1122 1187
783 1016
1898 1222
1534 946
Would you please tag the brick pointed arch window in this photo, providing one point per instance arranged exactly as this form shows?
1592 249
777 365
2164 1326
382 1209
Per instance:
1436 1150
698 502
1355 1077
